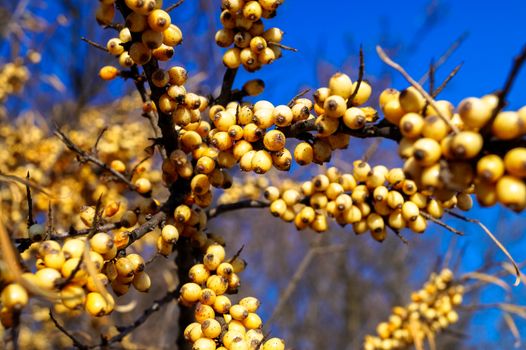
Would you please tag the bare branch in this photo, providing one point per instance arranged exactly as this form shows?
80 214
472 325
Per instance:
441 223
495 240
284 47
174 6
299 95
76 342
223 208
447 80
30 220
226 88
94 44
361 72
451 49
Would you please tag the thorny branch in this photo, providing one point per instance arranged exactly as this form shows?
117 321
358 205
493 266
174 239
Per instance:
94 44
76 343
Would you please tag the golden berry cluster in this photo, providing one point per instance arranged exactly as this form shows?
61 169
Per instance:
13 76
254 46
220 323
370 199
432 309
148 32
447 151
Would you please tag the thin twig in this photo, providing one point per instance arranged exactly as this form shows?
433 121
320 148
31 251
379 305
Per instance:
361 71
495 240
76 342
86 157
284 47
132 172
418 87
431 77
156 306
176 5
518 62
300 94
371 150
238 253
446 81
441 223
94 44
451 49
223 208
99 137
30 220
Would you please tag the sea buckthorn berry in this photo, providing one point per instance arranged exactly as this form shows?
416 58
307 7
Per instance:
490 167
172 36
507 126
101 242
96 305
159 20
466 144
515 162
73 296
475 112
511 191
14 296
411 125
108 72
334 106
340 84
143 185
426 151
303 153
274 140
139 53
170 234
411 100
274 344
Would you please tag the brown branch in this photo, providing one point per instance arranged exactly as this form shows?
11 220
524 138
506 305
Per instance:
518 62
495 240
224 208
99 137
300 94
452 48
148 226
30 220
447 80
226 88
125 330
76 342
361 72
174 6
87 157
418 87
441 223
431 77
94 44
284 47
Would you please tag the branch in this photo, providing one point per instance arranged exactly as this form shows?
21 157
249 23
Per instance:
176 5
446 81
300 94
452 48
284 47
226 88
94 44
441 223
361 71
30 220
495 240
223 208
518 62
156 306
76 343
148 226
87 157
418 87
